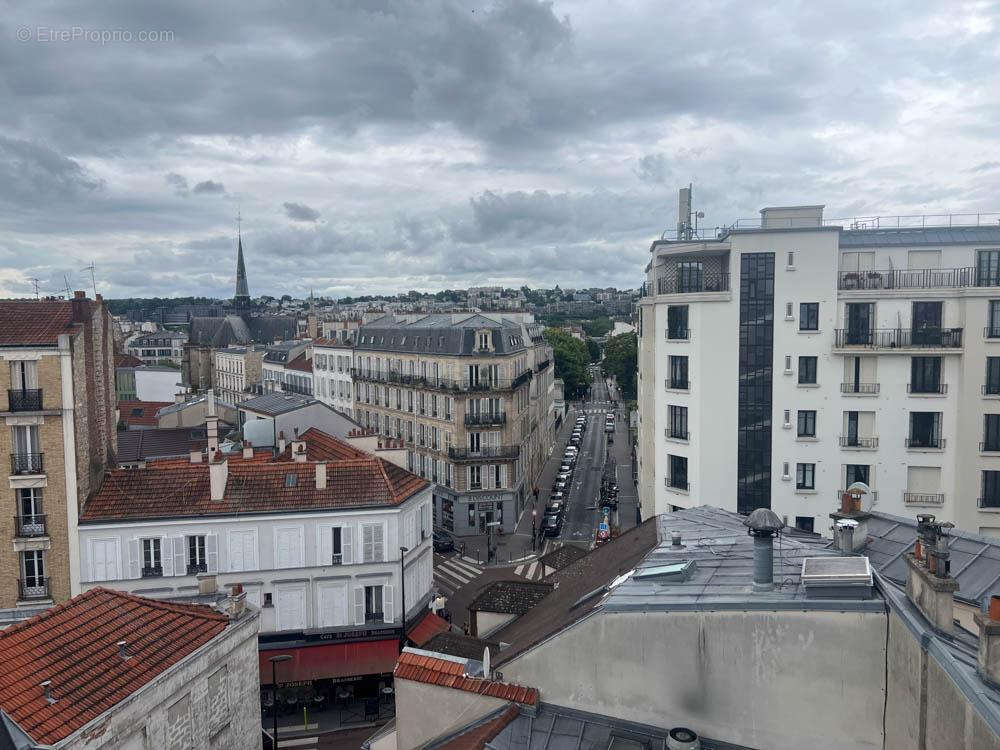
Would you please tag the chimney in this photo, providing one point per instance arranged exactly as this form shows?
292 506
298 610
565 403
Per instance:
929 585
321 475
218 473
988 659
78 305
675 539
236 602
851 538
212 425
298 447
46 686
122 651
207 583
281 442
247 449
763 525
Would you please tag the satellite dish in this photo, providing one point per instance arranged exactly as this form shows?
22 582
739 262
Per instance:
486 662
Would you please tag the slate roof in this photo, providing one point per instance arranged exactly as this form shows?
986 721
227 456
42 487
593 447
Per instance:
300 363
273 404
233 329
561 557
421 666
458 644
141 412
510 597
27 322
331 343
439 333
142 445
975 559
907 236
563 606
74 645
127 360
180 489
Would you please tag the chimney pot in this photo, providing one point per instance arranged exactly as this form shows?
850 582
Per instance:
675 539
78 294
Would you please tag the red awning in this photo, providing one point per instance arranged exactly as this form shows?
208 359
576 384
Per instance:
330 660
427 628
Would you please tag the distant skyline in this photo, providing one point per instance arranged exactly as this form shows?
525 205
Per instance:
376 147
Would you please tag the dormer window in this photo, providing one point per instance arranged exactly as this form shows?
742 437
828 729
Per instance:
484 341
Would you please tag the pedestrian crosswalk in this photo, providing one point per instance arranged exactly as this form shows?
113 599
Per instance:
452 573
533 571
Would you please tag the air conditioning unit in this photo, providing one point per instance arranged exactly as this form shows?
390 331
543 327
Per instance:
682 738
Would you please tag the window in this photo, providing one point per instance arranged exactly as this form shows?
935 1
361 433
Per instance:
925 430
990 497
807 370
991 432
677 322
925 375
29 508
498 476
679 422
690 276
804 523
805 476
374 611
809 316
197 559
678 472
992 386
679 373
475 477
790 263
33 581
152 559
807 423
860 317
372 542
857 473
993 316
988 268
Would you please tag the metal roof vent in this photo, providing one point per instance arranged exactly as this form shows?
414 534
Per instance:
673 572
47 687
837 577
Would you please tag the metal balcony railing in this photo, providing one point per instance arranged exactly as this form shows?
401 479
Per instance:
484 453
677 484
923 498
847 441
695 283
991 389
676 434
29 525
152 571
931 388
859 388
678 334
989 501
25 399
32 588
900 338
672 384
934 442
924 278
991 332
989 446
26 463
871 497
486 419
195 568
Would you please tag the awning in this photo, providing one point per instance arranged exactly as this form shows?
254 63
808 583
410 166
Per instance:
428 627
331 660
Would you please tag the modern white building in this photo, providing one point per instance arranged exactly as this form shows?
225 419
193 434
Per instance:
780 362
162 346
332 374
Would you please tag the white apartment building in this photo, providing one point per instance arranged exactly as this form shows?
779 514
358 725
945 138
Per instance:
783 361
332 374
159 347
237 368
288 367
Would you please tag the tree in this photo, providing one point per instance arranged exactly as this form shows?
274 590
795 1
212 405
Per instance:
571 361
598 326
594 349
621 361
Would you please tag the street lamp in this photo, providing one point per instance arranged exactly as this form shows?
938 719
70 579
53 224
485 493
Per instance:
402 581
274 698
534 531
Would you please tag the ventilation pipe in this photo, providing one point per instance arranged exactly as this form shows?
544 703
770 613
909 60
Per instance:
47 688
763 525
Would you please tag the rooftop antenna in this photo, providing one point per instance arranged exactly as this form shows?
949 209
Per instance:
93 279
34 283
67 289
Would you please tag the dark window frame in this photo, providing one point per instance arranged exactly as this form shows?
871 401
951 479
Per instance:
809 316
808 367
805 476
806 423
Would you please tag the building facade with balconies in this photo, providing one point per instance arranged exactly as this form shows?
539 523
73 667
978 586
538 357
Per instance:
332 362
57 401
235 371
471 397
782 362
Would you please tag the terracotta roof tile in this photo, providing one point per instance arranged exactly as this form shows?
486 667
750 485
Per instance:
300 363
428 627
140 412
476 735
75 646
447 673
127 360
26 322
178 488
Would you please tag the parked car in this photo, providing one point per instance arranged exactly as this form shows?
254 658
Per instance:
554 509
563 476
556 497
560 486
443 542
565 468
551 526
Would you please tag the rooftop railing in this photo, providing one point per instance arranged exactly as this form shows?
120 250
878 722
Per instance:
484 453
900 338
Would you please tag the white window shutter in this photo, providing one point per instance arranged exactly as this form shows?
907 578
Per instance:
180 568
134 559
212 553
167 555
379 546
324 544
347 543
359 605
367 542
388 611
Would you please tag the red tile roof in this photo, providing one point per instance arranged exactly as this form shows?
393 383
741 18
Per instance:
75 646
446 673
476 736
28 322
127 360
331 343
140 412
300 363
427 628
178 489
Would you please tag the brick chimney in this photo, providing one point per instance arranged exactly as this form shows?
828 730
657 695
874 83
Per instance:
929 584
247 449
321 475
298 448
851 537
218 474
988 659
281 442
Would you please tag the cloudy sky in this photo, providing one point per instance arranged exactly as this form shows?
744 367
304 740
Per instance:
383 146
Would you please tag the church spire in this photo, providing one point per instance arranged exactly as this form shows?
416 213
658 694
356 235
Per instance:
242 297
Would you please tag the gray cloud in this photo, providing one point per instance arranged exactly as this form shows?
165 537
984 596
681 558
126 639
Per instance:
178 182
300 212
30 172
209 187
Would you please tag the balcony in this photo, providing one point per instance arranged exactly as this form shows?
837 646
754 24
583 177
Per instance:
676 384
485 453
670 434
859 389
30 526
900 278
870 499
26 463
899 338
991 332
991 389
487 419
523 378
990 501
934 389
195 568
25 399
925 442
989 446
695 283
923 498
846 441
678 334
152 571
33 589
679 483
541 366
